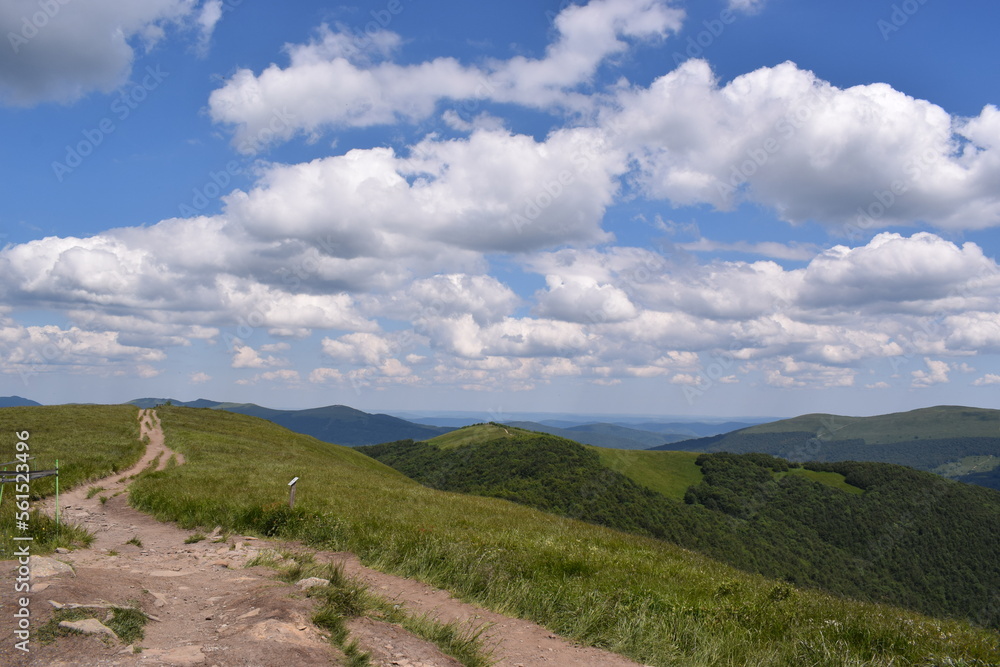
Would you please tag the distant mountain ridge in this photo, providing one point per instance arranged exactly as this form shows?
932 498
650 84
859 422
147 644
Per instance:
692 429
343 425
958 442
603 434
336 424
16 402
616 435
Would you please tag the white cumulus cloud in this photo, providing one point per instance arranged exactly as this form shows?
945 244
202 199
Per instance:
60 51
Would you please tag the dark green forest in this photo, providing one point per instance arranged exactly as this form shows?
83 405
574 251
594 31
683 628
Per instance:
912 539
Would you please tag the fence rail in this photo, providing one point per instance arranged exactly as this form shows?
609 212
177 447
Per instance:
11 477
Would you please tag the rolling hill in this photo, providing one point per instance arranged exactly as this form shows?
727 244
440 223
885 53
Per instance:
645 598
618 435
957 442
336 424
850 529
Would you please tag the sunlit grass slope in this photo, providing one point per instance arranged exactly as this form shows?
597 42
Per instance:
832 479
90 442
478 432
669 473
650 600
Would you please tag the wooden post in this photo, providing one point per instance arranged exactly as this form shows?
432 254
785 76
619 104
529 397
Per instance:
57 494
291 493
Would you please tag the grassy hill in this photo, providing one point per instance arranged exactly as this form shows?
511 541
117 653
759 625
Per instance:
957 442
851 529
943 421
645 598
336 424
669 473
672 473
89 441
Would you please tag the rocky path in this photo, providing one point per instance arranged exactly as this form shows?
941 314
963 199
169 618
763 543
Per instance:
210 609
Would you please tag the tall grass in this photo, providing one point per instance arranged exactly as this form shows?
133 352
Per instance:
90 442
649 600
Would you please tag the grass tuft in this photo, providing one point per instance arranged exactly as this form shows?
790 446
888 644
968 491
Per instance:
126 622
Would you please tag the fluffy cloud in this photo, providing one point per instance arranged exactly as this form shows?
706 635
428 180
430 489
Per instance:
490 192
285 376
511 337
862 157
245 356
988 379
584 301
191 294
359 348
330 82
289 256
748 6
894 297
787 372
64 50
28 351
893 269
208 18
449 295
936 373
611 312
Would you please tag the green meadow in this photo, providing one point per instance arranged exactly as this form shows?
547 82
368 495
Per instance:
669 473
647 599
89 441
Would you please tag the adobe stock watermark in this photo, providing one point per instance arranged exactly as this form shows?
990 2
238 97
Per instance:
49 353
121 108
22 504
32 25
720 367
900 15
218 182
213 188
466 109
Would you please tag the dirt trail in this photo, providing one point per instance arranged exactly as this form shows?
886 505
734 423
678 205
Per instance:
212 610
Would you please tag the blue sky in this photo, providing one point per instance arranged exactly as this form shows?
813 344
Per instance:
732 207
